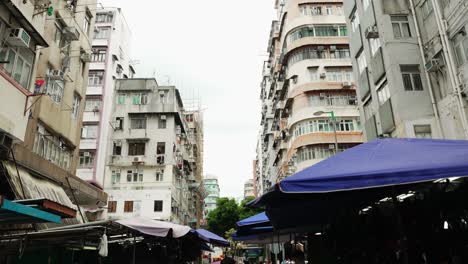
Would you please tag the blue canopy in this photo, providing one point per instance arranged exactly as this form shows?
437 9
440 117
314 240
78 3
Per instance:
260 218
382 162
211 237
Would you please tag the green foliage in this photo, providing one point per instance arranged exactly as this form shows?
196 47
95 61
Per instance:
222 220
244 211
224 217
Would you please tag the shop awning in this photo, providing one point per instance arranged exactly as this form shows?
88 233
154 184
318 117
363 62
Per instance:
154 228
257 219
380 163
16 213
211 238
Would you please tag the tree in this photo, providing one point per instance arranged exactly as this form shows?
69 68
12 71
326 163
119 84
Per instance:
245 211
224 217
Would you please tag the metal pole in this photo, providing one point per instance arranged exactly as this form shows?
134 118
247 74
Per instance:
334 130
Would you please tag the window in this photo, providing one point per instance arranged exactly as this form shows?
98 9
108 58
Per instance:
160 176
411 77
338 75
136 148
355 21
329 10
87 22
115 176
128 207
134 175
362 63
316 10
75 105
51 148
95 78
86 159
119 123
400 25
104 17
140 99
318 152
374 44
58 35
162 122
117 148
461 49
102 33
112 206
383 94
422 131
18 64
368 112
324 125
326 31
89 131
138 123
163 97
426 8
99 55
161 148
339 10
314 77
92 105
121 99
54 89
158 206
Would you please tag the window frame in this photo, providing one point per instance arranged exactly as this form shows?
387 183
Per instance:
136 148
138 123
158 206
400 25
128 206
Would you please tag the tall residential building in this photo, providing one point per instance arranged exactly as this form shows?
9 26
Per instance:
44 73
412 68
151 166
210 182
307 81
255 178
110 60
249 190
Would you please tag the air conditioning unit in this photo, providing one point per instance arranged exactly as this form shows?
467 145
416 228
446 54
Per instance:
118 143
85 57
323 75
347 84
19 38
322 96
71 33
163 117
138 160
332 48
331 146
86 154
352 101
372 32
320 48
55 75
433 65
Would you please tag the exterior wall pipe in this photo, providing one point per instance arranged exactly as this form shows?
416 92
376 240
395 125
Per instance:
451 64
426 73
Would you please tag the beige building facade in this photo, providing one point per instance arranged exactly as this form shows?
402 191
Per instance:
307 84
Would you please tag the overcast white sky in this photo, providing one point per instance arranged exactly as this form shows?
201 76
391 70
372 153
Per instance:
214 49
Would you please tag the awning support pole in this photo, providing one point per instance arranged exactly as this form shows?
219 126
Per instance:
76 201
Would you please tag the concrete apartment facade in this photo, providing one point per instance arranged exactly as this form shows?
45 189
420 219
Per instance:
45 71
211 185
307 79
151 166
411 66
249 189
110 60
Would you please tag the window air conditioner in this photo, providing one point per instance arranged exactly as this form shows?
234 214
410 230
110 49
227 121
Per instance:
433 65
320 48
137 160
86 154
19 38
331 146
372 32
85 57
332 48
71 33
55 75
163 117
347 84
323 75
118 143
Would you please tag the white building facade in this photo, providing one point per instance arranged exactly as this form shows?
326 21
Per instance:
211 185
110 60
151 167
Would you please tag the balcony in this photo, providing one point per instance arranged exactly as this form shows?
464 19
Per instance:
88 144
152 160
91 116
94 90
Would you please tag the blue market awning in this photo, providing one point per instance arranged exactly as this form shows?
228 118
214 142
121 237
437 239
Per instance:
383 162
211 238
257 219
16 213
